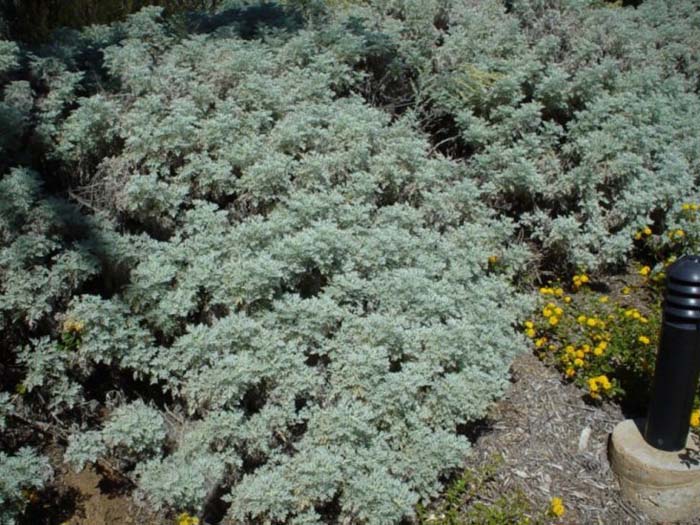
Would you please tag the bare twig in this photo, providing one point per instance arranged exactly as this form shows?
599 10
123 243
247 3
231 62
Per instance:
444 141
81 201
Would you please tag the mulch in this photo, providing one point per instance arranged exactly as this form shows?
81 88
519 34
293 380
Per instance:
554 444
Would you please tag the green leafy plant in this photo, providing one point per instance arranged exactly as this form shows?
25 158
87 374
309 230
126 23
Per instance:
460 502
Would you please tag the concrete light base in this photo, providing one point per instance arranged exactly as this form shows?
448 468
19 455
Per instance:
663 485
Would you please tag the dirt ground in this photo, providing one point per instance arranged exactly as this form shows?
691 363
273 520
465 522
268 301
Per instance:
87 498
101 504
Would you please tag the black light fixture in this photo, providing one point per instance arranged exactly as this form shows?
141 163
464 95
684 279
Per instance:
678 358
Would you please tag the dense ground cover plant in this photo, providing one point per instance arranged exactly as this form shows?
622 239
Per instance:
580 120
20 474
304 287
34 20
568 112
272 253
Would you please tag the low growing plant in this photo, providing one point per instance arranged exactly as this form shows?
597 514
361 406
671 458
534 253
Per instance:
462 502
20 474
607 343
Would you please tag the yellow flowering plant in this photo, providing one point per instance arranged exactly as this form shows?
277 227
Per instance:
186 519
605 343
556 507
71 334
604 346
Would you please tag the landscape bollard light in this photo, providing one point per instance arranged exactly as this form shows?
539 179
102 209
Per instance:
657 461
678 358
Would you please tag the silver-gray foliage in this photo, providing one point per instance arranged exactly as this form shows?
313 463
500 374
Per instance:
315 294
20 472
286 287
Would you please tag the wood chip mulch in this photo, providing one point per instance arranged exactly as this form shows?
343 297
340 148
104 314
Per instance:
555 444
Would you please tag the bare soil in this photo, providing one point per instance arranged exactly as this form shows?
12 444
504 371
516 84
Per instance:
88 497
100 503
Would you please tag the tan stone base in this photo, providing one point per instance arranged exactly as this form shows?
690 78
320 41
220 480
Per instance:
663 485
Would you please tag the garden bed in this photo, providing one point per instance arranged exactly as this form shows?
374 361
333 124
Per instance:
273 262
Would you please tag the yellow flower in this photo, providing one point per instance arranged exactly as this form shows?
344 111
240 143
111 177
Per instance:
553 321
679 233
558 292
530 332
541 342
644 339
644 270
529 324
558 311
71 325
581 319
604 299
595 383
556 507
570 350
186 519
546 312
579 280
578 362
685 207
567 299
493 259
637 236
545 291
598 351
580 354
570 372
603 345
695 419
626 290
591 322
646 231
